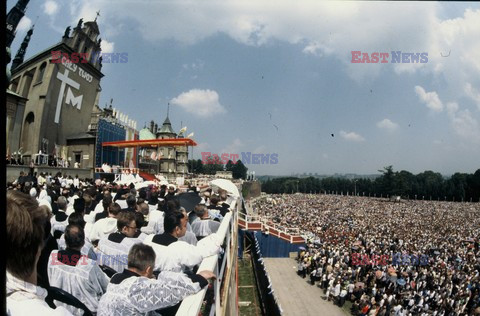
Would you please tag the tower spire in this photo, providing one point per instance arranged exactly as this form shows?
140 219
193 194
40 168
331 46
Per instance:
22 50
168 108
13 18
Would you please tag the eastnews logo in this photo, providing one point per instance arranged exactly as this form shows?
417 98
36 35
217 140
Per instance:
83 260
397 57
247 158
83 58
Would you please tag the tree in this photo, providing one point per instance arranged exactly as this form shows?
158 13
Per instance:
229 166
195 166
386 180
239 171
212 165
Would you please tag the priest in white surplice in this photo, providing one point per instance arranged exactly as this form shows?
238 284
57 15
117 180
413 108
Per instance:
174 254
113 249
75 273
105 226
25 232
87 249
204 226
136 292
60 220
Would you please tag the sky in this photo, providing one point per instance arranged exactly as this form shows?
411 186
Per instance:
277 77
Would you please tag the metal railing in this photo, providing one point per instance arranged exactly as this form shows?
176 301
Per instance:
224 266
267 225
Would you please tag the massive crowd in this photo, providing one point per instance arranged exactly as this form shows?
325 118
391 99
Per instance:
117 249
338 228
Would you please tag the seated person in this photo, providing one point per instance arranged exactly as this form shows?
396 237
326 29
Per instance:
106 203
60 220
99 208
74 273
140 223
87 249
113 249
131 203
105 226
189 236
134 291
205 226
174 254
223 205
26 225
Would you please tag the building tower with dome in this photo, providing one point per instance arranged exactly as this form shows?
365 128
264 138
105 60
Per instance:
169 162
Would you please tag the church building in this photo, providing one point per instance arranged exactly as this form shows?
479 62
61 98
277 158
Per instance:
58 92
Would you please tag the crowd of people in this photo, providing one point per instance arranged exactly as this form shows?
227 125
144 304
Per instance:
117 249
338 228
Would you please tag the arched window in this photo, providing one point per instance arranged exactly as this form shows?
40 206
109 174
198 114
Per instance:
14 84
27 82
41 72
27 133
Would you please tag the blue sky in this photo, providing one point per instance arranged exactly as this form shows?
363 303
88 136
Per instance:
277 77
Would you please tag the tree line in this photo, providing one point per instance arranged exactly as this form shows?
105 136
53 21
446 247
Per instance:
426 185
238 169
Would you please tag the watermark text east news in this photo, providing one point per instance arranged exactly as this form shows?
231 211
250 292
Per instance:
359 57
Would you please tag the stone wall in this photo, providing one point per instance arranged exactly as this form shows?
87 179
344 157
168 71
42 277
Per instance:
251 189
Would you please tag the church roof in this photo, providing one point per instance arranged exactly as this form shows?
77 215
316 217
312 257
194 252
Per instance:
166 127
145 134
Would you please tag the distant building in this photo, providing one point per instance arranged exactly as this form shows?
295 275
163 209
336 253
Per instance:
169 162
106 125
224 174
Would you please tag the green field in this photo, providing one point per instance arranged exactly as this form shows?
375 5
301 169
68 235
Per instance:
247 291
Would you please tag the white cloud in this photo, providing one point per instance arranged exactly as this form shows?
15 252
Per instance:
472 93
234 147
202 147
199 102
431 99
456 38
320 27
107 47
260 149
50 7
24 24
352 136
387 124
463 123
452 108
466 126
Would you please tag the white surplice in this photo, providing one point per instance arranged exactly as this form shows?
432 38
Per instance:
24 298
102 228
86 281
113 254
140 295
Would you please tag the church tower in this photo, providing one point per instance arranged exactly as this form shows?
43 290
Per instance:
84 39
22 50
13 18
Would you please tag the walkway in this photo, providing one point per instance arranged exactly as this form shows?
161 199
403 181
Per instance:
295 294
